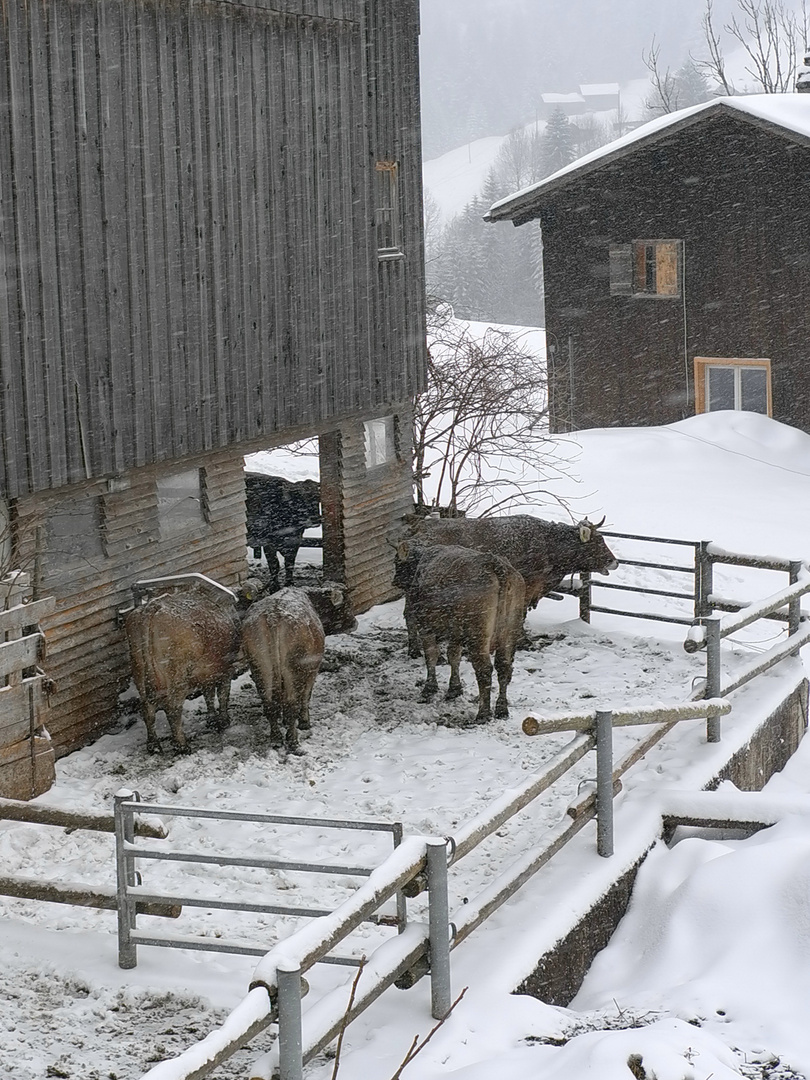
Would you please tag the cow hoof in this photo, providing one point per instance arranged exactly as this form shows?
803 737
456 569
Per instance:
427 696
218 723
153 746
453 692
184 749
501 712
297 751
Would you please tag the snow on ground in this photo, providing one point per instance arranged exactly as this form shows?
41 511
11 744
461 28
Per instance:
687 968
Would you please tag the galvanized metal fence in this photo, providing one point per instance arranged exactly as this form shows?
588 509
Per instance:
696 572
132 894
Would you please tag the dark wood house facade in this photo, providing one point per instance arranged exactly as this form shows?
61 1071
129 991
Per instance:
677 268
210 243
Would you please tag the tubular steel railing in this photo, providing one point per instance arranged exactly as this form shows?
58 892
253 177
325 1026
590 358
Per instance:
132 894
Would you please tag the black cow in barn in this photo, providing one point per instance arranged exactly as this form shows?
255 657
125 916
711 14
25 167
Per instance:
278 512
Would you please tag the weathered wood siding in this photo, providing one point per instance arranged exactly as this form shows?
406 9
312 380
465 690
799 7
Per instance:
187 249
90 576
626 360
365 520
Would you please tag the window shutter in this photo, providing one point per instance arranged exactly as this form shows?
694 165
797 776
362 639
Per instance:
621 270
666 264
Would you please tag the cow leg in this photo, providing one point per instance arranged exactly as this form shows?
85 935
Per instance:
148 711
218 719
271 705
414 648
174 715
292 718
503 666
454 689
482 666
430 647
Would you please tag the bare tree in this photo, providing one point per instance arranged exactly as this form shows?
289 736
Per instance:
481 422
664 91
672 90
772 34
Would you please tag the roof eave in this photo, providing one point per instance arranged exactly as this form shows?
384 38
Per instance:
526 205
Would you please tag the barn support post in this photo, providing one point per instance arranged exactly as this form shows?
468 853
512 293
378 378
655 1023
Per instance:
290 1035
438 929
703 579
603 725
125 877
713 674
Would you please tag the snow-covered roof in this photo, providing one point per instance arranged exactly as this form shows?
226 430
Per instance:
788 112
598 89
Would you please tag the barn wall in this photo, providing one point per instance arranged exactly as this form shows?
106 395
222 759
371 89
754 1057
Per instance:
89 570
622 360
187 200
369 512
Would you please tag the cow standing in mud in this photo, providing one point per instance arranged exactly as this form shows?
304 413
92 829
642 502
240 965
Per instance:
283 642
181 643
472 601
543 552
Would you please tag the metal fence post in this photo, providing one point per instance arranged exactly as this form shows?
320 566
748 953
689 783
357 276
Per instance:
604 783
795 606
713 674
703 579
125 877
585 596
438 929
290 1036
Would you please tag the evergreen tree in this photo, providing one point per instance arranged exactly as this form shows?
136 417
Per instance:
557 144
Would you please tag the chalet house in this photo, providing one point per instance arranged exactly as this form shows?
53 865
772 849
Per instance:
210 244
677 267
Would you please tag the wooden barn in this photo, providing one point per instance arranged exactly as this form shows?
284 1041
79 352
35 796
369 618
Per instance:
210 244
677 267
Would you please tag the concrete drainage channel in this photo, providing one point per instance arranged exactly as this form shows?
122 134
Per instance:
764 736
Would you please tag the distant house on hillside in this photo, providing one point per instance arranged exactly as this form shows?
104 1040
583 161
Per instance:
592 97
212 244
677 267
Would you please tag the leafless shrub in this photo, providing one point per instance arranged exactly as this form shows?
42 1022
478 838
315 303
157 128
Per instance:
481 424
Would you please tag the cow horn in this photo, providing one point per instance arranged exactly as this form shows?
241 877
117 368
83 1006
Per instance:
599 524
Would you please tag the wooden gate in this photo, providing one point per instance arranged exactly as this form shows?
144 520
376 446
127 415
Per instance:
26 752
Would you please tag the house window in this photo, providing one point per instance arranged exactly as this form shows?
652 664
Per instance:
646 268
732 384
381 441
387 213
181 506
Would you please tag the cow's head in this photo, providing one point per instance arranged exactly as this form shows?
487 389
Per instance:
593 553
331 601
405 563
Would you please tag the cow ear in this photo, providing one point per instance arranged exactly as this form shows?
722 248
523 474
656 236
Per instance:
336 597
584 532
402 550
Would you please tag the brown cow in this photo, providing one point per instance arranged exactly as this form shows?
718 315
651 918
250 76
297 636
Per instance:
283 642
179 643
544 552
474 602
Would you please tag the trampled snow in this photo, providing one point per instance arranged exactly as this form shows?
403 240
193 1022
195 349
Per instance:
707 975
